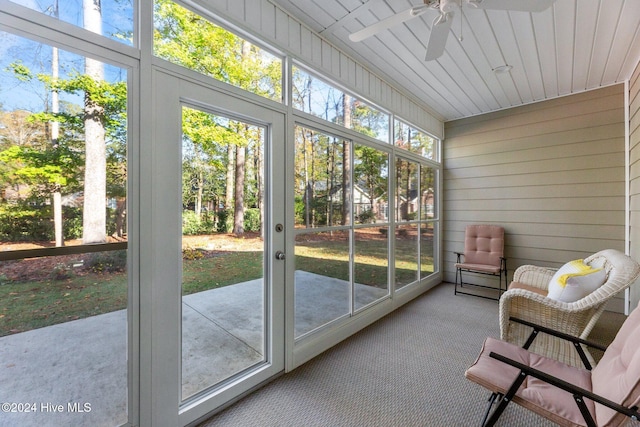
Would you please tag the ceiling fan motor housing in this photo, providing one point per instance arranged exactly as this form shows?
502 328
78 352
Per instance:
447 6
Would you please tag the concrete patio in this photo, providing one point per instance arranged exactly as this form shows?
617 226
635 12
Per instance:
75 373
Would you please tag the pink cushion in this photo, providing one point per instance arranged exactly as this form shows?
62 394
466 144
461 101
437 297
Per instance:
479 267
549 401
530 288
617 375
483 244
616 378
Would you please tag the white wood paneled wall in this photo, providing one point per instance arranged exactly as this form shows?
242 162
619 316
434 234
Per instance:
275 26
552 173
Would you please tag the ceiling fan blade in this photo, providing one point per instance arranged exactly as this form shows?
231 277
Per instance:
389 22
517 5
439 35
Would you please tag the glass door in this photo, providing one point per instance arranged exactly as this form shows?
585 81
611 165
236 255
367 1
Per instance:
225 204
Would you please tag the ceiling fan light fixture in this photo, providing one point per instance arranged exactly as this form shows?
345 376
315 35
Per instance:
447 6
503 69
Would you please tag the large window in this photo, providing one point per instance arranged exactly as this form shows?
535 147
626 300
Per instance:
415 221
192 41
414 140
110 18
63 232
312 95
341 218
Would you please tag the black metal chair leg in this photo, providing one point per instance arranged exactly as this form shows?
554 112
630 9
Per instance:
506 399
492 400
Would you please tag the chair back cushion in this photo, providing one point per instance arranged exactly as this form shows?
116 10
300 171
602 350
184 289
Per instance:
483 244
617 375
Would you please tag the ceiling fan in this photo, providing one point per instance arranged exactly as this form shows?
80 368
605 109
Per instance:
442 22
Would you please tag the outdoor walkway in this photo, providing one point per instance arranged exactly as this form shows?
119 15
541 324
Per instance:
74 373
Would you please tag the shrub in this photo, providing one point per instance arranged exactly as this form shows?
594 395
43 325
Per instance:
192 254
193 226
190 223
367 217
252 219
71 222
26 223
299 210
224 223
107 262
61 272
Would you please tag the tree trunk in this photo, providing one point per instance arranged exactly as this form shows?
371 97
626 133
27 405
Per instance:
94 223
260 180
229 178
56 199
312 185
238 211
238 194
121 214
307 182
198 203
331 170
347 198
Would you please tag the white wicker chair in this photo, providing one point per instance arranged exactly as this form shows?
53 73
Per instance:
526 299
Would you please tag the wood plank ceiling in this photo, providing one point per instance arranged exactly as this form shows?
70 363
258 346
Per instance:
574 46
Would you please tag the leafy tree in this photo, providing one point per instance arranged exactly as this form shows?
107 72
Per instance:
370 168
43 170
192 41
47 168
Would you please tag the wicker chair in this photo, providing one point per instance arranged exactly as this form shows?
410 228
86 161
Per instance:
526 299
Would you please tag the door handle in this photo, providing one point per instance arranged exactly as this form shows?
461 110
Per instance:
280 255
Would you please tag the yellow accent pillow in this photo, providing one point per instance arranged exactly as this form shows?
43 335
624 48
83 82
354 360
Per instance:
575 280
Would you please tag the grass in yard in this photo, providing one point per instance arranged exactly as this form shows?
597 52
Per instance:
32 305
210 273
28 303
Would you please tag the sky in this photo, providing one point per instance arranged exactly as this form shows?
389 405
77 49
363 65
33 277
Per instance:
117 20
117 15
15 94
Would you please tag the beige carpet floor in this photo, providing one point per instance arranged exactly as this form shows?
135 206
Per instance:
405 370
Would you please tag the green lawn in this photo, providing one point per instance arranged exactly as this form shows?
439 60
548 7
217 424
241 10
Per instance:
26 305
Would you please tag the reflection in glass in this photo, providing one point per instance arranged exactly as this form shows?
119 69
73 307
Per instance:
427 193
371 181
407 190
63 180
413 140
190 40
370 265
427 249
65 317
314 96
406 252
221 273
322 279
322 179
114 18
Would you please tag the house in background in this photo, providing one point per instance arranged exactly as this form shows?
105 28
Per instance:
535 119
